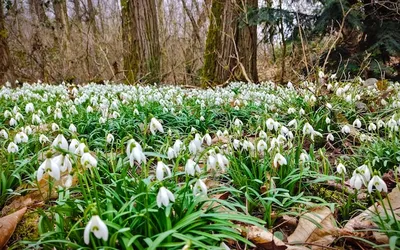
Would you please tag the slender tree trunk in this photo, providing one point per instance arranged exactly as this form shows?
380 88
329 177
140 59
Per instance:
92 17
77 9
140 37
5 59
282 33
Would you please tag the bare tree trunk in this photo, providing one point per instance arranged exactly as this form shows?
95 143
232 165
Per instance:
77 9
282 33
5 60
60 12
140 37
231 46
92 17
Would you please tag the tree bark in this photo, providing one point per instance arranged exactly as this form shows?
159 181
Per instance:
231 45
140 39
5 60
77 9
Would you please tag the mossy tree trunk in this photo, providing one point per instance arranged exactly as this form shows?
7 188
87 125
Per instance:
5 60
231 45
141 41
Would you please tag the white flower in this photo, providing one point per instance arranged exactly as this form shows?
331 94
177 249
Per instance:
341 169
236 144
238 123
330 137
381 124
73 145
67 181
36 119
64 162
29 108
261 146
161 169
72 128
177 147
357 123
207 139
308 129
304 157
110 138
328 105
12 148
61 142
50 167
164 196
263 135
200 188
4 134
211 162
364 171
137 155
345 129
270 123
378 183
155 125
88 161
279 160
293 123
20 137
97 227
192 167
13 122
222 161
357 180
54 127
321 74
170 153
327 120
371 127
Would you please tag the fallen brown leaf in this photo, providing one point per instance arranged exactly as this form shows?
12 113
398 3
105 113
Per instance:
8 224
316 227
263 238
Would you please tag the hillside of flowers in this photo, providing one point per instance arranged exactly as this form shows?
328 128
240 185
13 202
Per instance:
300 166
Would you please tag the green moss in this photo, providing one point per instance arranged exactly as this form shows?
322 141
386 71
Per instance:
27 229
213 43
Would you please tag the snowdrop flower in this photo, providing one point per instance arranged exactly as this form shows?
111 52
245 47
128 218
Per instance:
137 155
170 153
73 145
207 139
211 163
308 129
261 146
263 135
192 167
20 137
29 108
61 142
89 109
238 123
330 137
270 124
13 122
12 148
164 196
247 145
200 188
378 183
293 123
57 114
7 114
279 160
88 161
333 76
97 227
341 169
381 124
371 127
345 129
364 171
64 162
102 120
304 157
290 85
357 123
321 74
161 170
301 112
50 167
155 125
328 105
327 120
222 161
54 127
110 138
4 134
291 111
43 139
177 147
36 119
72 128
236 144
67 181
357 180
392 124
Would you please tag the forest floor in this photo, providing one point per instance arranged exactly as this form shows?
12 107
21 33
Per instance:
309 166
